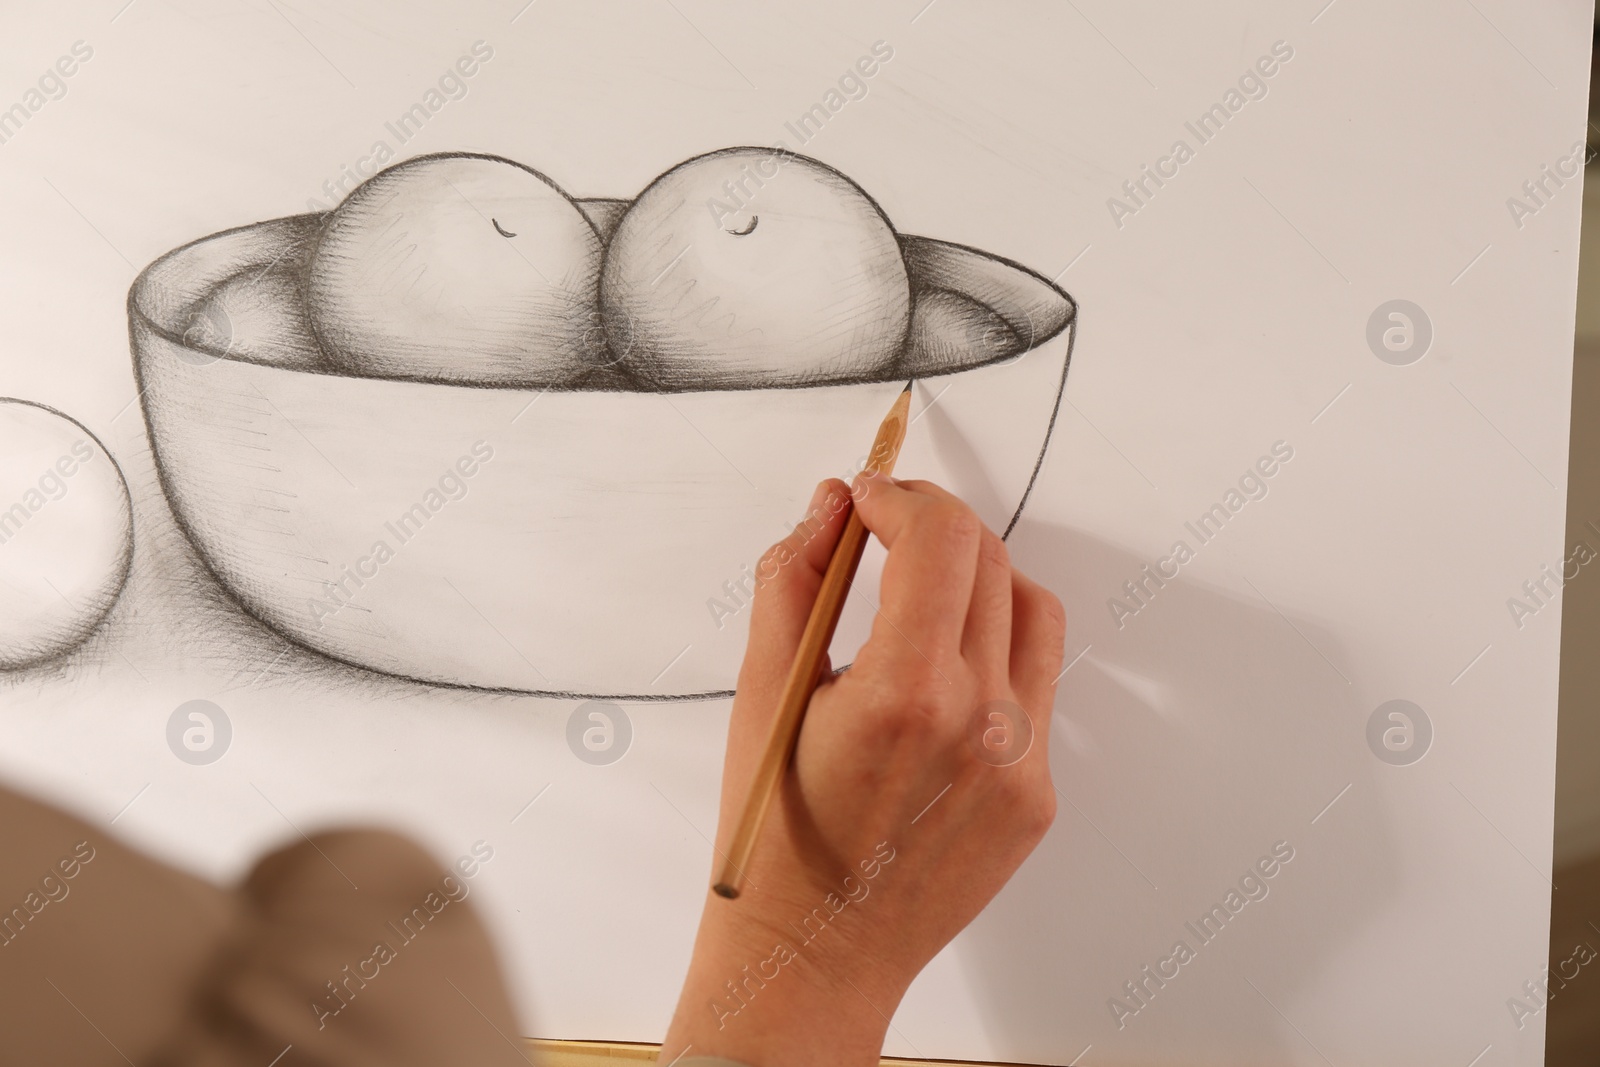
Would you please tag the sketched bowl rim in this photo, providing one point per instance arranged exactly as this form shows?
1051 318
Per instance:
922 255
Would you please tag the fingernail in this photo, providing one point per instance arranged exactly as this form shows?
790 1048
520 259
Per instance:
863 482
817 496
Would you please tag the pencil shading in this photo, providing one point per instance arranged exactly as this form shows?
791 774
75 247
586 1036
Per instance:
66 534
562 533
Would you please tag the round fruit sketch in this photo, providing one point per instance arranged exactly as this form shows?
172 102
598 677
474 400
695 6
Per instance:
741 267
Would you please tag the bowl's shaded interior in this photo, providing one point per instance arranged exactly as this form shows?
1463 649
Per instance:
969 309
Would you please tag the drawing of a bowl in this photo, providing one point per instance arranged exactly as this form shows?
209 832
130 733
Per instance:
569 542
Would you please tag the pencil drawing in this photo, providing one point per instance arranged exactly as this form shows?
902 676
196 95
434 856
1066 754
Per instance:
750 267
468 430
66 534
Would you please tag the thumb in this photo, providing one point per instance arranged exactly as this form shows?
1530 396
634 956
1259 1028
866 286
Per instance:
787 580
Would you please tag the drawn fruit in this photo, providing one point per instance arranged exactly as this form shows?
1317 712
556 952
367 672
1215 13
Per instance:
457 268
66 533
752 267
950 332
256 315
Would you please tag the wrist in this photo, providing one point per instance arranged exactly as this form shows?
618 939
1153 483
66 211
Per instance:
777 992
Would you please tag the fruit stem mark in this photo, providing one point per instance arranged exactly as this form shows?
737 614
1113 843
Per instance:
501 230
753 220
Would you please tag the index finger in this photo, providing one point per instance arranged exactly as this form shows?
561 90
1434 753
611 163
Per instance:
927 581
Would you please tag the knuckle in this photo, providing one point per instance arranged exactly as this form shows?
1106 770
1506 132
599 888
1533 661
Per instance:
957 523
922 713
1055 615
1040 815
774 563
924 683
918 707
1044 608
993 551
1015 788
905 719
1029 799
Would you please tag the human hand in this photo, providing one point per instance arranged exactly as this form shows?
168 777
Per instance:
891 832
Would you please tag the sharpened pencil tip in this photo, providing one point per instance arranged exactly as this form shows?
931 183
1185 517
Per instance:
722 889
909 384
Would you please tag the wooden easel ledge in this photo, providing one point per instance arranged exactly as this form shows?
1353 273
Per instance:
548 1053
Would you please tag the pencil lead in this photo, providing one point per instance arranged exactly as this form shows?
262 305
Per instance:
909 384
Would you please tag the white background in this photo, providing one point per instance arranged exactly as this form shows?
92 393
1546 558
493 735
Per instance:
1223 317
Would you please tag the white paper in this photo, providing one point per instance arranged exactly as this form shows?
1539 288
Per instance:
1223 294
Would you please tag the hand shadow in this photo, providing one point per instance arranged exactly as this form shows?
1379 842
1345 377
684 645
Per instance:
1185 745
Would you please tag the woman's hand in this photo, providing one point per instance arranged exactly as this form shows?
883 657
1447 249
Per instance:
920 782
